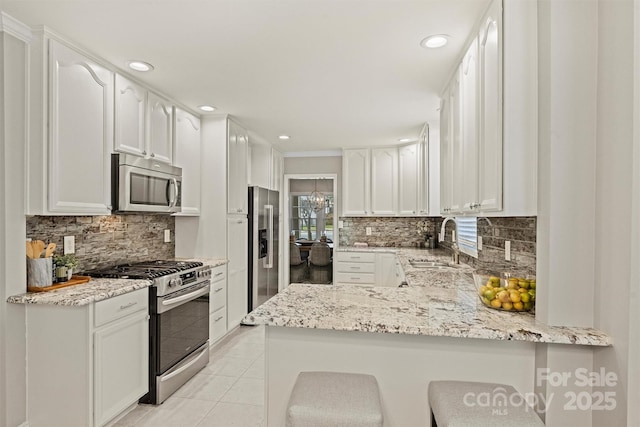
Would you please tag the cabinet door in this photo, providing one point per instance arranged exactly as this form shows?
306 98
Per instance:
469 99
237 181
81 133
445 155
409 176
423 173
386 270
490 60
384 181
455 121
160 128
121 365
356 177
130 119
188 157
237 287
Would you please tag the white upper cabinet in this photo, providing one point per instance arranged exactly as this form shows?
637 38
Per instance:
143 122
455 139
490 82
409 179
237 178
160 128
445 155
356 177
277 170
130 119
384 181
188 157
80 133
469 104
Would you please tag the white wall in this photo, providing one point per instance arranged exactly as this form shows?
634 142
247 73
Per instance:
614 193
13 140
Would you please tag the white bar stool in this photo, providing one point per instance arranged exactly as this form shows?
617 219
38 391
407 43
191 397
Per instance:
334 399
475 404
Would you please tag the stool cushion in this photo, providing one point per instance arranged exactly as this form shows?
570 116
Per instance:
470 404
333 399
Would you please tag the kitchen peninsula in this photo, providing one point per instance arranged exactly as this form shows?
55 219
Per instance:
434 329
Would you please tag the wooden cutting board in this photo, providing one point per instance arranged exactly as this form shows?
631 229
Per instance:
75 280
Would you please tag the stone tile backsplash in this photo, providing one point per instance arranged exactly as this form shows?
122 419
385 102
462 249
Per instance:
385 231
403 232
103 241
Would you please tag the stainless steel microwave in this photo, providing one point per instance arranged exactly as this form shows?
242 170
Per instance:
144 185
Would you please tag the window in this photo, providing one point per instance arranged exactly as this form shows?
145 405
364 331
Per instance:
467 231
308 224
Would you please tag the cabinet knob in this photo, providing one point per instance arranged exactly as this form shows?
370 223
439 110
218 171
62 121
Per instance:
144 153
153 155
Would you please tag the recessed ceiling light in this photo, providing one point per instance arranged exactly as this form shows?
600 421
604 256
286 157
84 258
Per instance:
435 41
407 139
207 108
284 137
140 66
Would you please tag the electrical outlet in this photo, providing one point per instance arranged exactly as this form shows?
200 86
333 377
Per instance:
368 231
167 236
453 235
507 250
340 224
479 243
69 245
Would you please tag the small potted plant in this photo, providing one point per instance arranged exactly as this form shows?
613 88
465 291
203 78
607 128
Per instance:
64 266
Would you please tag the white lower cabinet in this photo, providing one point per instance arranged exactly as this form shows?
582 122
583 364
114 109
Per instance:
218 304
365 268
86 364
237 252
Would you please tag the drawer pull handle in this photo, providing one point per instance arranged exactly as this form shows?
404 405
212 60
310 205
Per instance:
355 278
131 304
355 257
355 268
218 319
218 274
217 290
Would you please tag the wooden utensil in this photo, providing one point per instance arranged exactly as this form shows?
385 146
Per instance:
49 251
39 247
29 250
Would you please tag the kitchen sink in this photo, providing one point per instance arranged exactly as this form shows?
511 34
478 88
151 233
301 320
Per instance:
431 264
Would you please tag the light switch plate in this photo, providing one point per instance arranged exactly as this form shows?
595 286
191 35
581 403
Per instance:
340 224
368 231
167 236
69 245
507 250
479 243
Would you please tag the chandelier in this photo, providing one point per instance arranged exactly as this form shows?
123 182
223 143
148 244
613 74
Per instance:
316 199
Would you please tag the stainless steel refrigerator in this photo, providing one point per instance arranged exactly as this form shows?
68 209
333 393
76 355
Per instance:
264 245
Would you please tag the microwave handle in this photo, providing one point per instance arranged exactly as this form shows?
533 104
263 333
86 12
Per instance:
174 201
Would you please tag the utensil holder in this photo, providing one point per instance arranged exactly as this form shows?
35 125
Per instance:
39 272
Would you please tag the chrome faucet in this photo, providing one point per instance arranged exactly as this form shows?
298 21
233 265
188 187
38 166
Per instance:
455 258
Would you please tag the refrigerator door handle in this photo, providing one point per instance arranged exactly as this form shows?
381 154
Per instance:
268 212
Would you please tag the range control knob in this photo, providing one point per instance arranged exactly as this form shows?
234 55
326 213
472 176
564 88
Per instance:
175 282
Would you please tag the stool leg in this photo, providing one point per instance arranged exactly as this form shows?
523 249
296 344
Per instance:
433 420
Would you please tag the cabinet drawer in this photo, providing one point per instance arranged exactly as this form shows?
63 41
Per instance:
357 278
356 267
218 274
218 295
356 256
217 324
114 308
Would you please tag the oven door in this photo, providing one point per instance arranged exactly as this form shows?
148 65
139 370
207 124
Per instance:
182 322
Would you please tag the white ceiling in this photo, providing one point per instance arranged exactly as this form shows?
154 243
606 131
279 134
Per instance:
330 73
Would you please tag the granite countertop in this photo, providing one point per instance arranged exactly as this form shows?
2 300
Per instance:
83 294
95 290
436 303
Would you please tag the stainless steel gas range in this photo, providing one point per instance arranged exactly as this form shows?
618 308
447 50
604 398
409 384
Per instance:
179 321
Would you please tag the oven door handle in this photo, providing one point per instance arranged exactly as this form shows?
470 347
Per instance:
194 360
189 296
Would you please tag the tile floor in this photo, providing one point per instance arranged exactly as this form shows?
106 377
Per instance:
228 392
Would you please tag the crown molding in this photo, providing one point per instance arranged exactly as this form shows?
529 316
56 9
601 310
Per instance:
336 153
11 26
